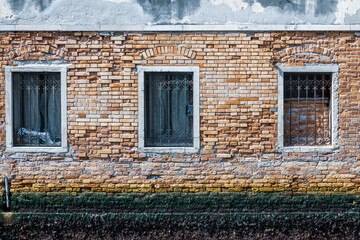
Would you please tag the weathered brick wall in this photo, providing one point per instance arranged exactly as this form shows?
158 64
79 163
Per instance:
238 112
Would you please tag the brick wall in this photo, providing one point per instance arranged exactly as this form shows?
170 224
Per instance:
238 112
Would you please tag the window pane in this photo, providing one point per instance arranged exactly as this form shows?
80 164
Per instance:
36 109
307 111
168 109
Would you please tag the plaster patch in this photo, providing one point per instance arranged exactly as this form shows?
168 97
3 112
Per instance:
257 8
5 10
184 20
85 12
119 1
346 7
175 12
235 5
310 6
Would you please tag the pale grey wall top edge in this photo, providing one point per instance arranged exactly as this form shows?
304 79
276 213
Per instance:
183 12
106 29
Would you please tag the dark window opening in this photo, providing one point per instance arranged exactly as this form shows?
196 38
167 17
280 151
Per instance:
168 109
307 109
36 109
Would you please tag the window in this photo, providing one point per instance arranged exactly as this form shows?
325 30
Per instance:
307 112
36 109
169 109
307 109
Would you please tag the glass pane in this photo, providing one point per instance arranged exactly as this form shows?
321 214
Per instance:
36 109
168 109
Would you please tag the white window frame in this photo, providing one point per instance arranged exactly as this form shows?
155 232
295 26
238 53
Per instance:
328 68
196 115
9 70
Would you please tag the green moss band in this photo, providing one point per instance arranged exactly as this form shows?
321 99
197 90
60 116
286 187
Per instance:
164 202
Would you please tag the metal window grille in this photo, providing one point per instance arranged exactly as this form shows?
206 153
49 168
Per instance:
307 109
36 109
168 109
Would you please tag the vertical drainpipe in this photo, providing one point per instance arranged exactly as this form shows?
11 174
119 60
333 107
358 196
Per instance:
7 193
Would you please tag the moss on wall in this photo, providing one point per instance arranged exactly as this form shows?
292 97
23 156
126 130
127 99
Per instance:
169 202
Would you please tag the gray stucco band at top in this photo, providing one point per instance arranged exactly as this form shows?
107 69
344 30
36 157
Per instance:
180 28
179 12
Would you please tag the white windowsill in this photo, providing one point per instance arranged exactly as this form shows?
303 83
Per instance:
318 149
184 150
37 149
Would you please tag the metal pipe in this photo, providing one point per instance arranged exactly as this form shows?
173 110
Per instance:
7 192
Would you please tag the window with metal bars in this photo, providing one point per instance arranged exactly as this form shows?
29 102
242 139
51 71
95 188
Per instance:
36 109
168 109
307 109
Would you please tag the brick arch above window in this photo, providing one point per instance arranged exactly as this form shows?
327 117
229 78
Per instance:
169 50
306 50
28 49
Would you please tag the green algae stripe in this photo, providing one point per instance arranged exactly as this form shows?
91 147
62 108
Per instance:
243 202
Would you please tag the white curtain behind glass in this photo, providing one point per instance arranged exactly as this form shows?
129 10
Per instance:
37 109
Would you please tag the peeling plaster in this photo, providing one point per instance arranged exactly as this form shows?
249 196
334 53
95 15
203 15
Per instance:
169 11
344 8
118 1
5 11
257 8
80 12
29 5
310 6
195 12
235 5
